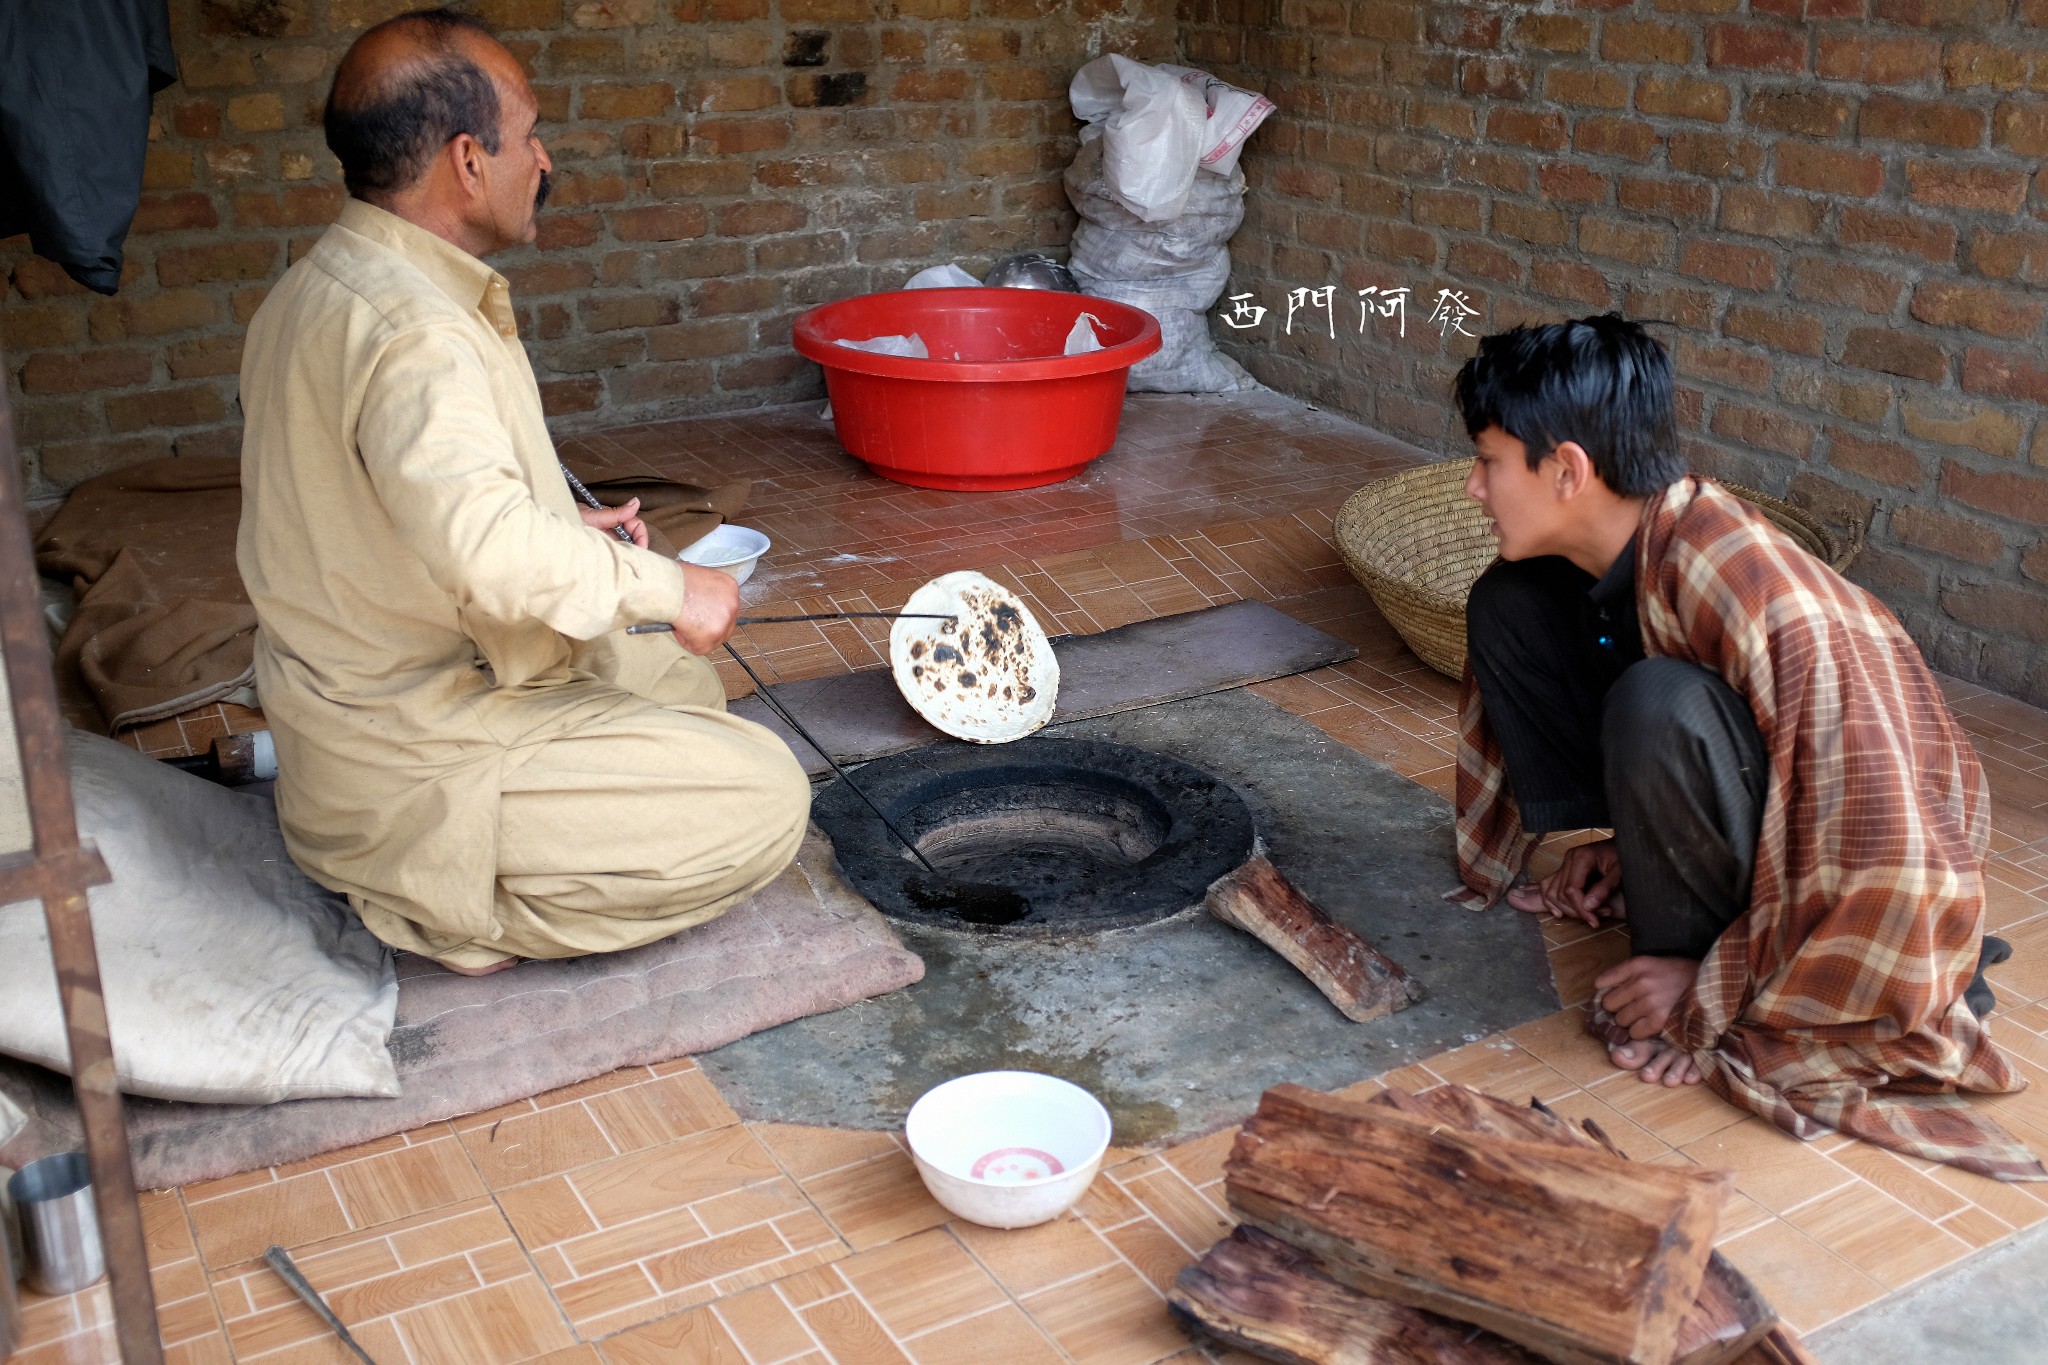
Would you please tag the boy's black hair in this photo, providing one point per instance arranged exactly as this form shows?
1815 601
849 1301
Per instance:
1603 382
385 135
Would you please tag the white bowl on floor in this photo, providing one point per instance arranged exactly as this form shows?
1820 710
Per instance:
1007 1149
735 549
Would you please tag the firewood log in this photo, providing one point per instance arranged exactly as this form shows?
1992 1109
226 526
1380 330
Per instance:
1362 982
1576 1254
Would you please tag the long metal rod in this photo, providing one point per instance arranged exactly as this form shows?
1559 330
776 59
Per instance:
281 1262
654 627
58 871
590 500
775 705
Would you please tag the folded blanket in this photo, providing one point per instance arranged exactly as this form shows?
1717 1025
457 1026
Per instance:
163 624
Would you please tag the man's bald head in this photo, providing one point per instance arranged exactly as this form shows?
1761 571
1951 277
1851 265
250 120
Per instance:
403 90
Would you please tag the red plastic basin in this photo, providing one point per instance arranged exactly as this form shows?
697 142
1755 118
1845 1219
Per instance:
997 405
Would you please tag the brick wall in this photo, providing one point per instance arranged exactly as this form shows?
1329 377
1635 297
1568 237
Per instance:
721 165
1835 204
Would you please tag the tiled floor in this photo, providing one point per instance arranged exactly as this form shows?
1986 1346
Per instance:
633 1219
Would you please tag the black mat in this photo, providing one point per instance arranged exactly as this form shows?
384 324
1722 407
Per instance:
859 716
1178 1026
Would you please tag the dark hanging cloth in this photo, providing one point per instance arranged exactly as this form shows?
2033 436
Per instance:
76 78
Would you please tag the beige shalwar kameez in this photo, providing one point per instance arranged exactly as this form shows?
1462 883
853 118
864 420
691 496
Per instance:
468 745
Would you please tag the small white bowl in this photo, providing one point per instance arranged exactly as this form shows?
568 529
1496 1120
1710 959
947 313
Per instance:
1007 1149
735 549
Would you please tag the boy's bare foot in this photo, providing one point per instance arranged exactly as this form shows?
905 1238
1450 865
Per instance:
506 965
1585 887
1656 1062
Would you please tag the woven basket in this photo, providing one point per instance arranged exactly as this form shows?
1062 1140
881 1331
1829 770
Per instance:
1418 543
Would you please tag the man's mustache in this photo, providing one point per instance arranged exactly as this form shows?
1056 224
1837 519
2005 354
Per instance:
540 196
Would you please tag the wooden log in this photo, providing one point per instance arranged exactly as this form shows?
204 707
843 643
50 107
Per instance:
1728 1316
1360 980
1256 1293
1578 1255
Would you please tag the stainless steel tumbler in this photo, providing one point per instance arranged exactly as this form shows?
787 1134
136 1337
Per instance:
59 1228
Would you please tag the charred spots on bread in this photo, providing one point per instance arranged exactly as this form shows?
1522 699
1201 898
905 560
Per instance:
945 654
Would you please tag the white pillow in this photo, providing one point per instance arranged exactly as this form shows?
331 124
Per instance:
230 977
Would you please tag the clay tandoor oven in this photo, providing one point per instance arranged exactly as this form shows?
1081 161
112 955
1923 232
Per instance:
1038 838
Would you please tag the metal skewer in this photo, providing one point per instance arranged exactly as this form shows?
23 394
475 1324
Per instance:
289 1273
590 500
775 705
655 627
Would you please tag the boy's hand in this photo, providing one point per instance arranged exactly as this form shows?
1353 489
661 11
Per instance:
604 518
1643 992
1565 892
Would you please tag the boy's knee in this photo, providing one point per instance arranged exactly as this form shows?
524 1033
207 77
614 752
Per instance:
1657 712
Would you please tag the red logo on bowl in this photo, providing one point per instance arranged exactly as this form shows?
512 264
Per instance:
1017 1165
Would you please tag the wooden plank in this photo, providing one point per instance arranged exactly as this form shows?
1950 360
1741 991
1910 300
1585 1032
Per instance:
1578 1255
1362 982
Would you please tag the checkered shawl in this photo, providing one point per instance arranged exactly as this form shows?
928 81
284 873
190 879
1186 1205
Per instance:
1835 1002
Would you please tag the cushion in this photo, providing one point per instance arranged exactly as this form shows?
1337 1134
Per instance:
230 977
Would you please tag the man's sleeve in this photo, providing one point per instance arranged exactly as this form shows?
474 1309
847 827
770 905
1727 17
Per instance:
443 466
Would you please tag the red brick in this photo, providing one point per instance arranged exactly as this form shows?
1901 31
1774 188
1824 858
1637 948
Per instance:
1407 156
79 371
1587 89
659 223
1998 65
1631 242
1684 97
1981 308
1940 13
1545 132
1745 267
1581 284
174 213
1766 430
1375 196
2034 563
205 357
1562 181
191 406
1880 228
1543 226
1830 170
737 136
1993 430
761 217
1866 402
1398 242
1629 40
1305 182
627 310
1876 61
1946 535
699 179
1800 333
1760 213
1756 47
1727 365
1682 201
611 102
1472 258
1818 279
1388 20
1716 156
1692 308
1830 501
173 310
1884 461
1816 113
549 277
736 296
563 397
2019 255
1447 208
24 328
1463 26
1500 170
1899 353
562 231
1631 139
2001 374
1895 118
1987 189
2023 497
2021 126
71 462
1495 77
298 206
196 118
1996 606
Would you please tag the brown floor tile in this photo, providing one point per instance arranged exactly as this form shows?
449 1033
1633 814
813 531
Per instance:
1976 1228
1902 1180
1026 1260
921 1283
1636 1142
661 1110
526 1146
1153 1251
876 1201
805 1152
672 1175
693 1338
288 1213
1003 1334
1560 1041
764 1325
1678 1115
1809 1285
1111 1317
394 1185
1200 1160
1575 965
1501 1067
850 1334
1777 1170
1184 1212
1877 1234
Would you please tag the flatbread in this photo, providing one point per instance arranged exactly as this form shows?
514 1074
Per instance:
989 675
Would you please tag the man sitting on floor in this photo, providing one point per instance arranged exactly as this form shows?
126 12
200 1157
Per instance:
468 744
1799 823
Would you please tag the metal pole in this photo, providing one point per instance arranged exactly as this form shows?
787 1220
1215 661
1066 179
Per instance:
57 871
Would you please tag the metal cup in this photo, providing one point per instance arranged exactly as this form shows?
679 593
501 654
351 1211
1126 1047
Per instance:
59 1228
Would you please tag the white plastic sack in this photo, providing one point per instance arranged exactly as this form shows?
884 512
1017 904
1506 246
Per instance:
946 276
912 345
1234 114
1151 126
1082 339
230 977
